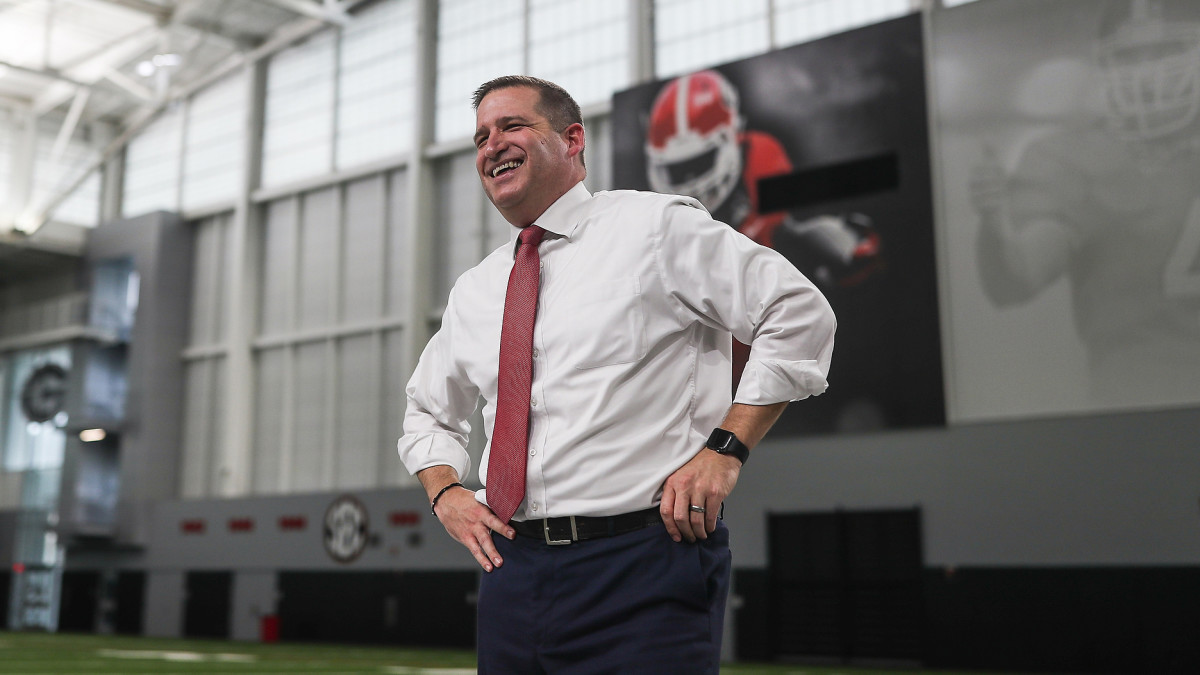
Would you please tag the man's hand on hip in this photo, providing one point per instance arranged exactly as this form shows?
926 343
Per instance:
705 481
471 524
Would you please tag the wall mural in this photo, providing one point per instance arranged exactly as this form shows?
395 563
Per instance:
821 152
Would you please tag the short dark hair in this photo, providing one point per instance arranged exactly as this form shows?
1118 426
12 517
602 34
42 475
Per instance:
554 103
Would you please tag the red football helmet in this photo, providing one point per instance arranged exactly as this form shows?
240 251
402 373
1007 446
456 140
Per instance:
692 144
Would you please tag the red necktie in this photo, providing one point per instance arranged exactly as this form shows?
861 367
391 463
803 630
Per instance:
510 435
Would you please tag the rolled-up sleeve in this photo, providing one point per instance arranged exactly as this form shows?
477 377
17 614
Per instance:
725 280
441 399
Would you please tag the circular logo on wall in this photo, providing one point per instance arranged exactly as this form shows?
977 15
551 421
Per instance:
345 531
44 393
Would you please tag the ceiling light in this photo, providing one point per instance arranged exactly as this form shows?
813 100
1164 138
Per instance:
145 69
92 435
166 60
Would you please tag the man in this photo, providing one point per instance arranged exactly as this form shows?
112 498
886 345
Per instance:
614 560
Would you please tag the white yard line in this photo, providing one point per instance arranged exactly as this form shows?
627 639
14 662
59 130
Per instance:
157 655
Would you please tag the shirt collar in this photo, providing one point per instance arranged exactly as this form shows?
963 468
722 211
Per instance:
560 218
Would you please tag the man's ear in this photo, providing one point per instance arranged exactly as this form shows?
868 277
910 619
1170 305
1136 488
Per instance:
575 138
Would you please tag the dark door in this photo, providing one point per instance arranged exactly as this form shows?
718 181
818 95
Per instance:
78 602
130 596
426 608
207 605
847 585
5 585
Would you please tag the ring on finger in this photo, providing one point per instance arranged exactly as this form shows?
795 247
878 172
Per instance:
696 509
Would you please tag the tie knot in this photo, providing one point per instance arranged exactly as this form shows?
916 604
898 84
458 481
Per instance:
532 235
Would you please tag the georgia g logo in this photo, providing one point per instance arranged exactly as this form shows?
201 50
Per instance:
345 530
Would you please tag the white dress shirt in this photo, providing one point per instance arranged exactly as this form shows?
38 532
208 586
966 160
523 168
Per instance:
640 293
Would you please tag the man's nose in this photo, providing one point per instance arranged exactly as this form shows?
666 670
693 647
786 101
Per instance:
493 146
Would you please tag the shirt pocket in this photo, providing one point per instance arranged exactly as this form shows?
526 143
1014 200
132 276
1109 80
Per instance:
607 323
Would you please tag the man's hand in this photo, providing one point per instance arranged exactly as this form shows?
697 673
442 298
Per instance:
471 524
706 480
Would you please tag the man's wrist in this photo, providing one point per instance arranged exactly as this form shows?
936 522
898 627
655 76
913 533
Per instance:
725 442
434 502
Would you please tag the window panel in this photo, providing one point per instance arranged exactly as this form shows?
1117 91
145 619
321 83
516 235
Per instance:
581 45
298 133
477 41
803 20
54 174
376 90
152 166
213 164
692 34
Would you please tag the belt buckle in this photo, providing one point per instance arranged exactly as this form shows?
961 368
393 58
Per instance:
559 542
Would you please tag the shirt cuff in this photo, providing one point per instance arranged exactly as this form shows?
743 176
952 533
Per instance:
421 451
774 381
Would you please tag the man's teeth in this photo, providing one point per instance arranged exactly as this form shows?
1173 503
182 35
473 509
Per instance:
507 165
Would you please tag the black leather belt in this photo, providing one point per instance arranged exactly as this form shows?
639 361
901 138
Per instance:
567 529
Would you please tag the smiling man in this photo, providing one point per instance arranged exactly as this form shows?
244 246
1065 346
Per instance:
600 339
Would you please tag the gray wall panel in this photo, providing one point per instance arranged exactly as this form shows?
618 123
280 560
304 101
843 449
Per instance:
405 537
318 257
364 250
198 440
276 311
269 428
397 236
356 450
1115 490
254 596
311 418
164 603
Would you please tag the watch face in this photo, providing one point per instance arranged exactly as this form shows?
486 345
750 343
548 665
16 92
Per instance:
44 393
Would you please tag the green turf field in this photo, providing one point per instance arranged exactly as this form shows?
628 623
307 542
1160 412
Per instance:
67 653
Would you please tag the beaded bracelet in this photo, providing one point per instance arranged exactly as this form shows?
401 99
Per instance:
433 504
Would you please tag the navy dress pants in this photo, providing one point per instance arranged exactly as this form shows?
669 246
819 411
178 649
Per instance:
630 604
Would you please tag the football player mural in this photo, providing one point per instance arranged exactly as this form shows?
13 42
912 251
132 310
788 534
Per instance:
1108 202
698 145
740 137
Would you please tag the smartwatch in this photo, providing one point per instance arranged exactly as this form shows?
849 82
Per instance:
725 443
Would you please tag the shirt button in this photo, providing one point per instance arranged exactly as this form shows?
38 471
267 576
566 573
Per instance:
534 403
532 453
533 506
535 353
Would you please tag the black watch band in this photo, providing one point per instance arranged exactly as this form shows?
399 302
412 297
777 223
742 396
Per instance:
725 443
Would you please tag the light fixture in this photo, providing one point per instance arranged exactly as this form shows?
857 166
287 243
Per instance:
166 60
145 69
92 435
